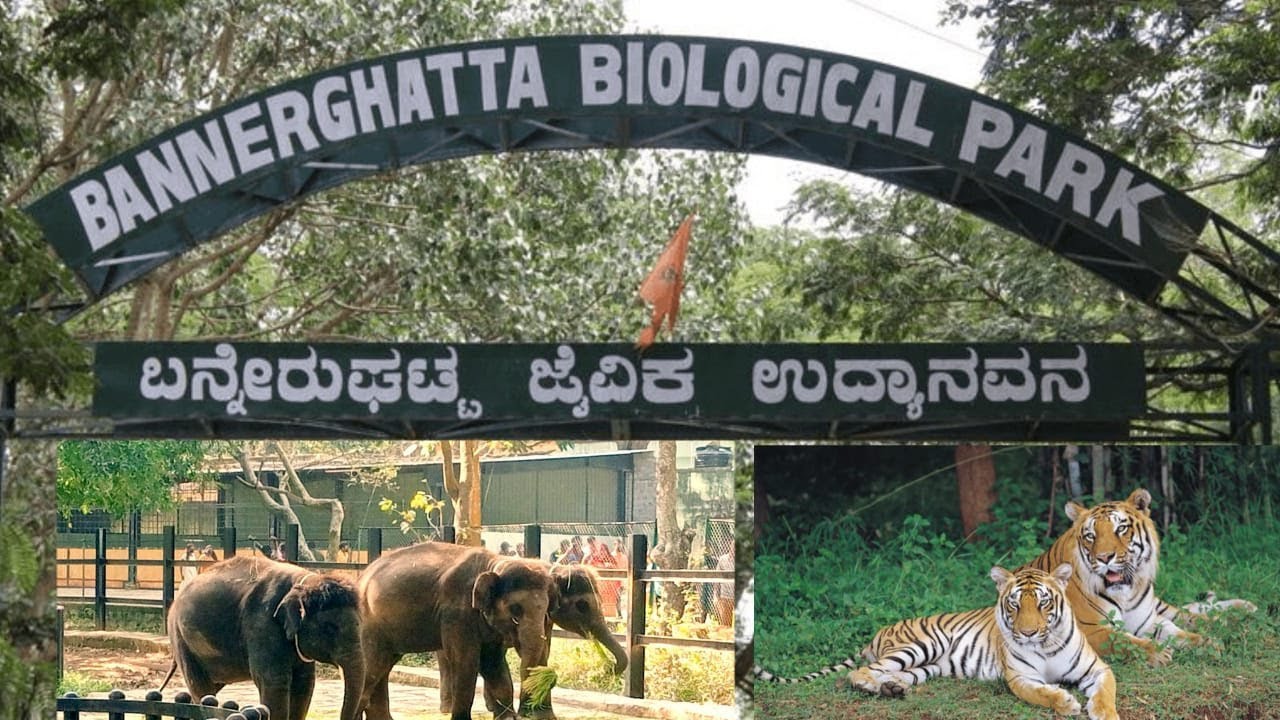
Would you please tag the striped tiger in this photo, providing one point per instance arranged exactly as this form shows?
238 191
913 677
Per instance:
1114 550
1029 637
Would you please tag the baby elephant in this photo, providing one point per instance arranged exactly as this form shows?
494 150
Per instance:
252 618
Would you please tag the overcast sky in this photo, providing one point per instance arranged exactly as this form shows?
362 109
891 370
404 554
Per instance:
905 33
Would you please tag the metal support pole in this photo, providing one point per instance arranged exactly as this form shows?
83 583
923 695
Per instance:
169 548
633 683
375 543
100 579
291 543
228 542
135 538
1260 374
533 541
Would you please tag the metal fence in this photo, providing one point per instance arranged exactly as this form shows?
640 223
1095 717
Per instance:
153 707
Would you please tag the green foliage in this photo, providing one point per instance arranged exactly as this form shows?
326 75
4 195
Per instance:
1169 84
121 476
896 266
97 38
19 567
82 684
407 518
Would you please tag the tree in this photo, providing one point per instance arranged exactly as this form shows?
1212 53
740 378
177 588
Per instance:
124 476
896 266
976 478
674 542
36 354
463 488
1165 83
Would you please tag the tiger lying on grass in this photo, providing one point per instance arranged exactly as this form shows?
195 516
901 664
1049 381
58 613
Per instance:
1029 637
1114 549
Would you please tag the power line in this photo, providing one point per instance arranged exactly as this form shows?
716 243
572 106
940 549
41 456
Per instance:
919 29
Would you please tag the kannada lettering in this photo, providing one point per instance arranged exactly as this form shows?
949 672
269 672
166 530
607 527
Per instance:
662 382
500 383
947 379
375 382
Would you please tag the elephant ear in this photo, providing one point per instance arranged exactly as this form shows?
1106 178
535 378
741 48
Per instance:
313 594
291 613
485 592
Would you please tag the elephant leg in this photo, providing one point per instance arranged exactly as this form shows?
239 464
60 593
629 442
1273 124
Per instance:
446 690
377 699
195 676
499 696
463 659
274 691
301 688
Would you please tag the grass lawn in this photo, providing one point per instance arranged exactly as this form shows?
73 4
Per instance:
816 610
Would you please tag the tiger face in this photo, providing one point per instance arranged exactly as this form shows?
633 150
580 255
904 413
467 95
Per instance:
1032 605
1116 543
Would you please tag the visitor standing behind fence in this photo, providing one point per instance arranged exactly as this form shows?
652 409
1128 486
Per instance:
622 561
189 557
724 590
600 557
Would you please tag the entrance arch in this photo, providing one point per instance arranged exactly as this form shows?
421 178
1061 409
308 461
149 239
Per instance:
130 214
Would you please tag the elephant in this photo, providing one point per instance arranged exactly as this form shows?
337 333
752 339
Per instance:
577 611
252 618
467 605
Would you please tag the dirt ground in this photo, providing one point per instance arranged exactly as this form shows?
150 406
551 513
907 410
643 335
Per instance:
123 669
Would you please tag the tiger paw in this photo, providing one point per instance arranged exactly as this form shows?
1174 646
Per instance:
893 689
1066 705
1159 656
1191 638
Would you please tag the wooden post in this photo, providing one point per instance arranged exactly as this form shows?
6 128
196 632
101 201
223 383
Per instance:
449 534
633 683
100 579
375 543
169 546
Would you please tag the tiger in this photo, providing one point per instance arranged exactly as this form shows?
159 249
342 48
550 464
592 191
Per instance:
1114 549
1029 637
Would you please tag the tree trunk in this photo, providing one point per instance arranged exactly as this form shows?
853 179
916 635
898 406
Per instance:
672 551
976 476
1097 453
463 489
276 499
337 515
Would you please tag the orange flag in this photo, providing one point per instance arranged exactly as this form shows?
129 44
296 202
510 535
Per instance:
663 285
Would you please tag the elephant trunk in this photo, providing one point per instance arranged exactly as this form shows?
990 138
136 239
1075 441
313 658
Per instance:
533 648
601 633
353 677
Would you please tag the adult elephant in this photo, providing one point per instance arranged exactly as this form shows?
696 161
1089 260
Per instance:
252 618
578 611
467 605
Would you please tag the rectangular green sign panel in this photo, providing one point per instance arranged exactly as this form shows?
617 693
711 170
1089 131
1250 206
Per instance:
705 383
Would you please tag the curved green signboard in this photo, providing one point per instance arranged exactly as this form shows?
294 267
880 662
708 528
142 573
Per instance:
189 184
